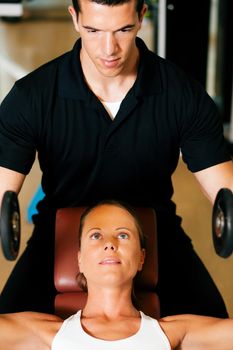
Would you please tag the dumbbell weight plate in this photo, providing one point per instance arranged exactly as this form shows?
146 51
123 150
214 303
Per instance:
10 225
222 223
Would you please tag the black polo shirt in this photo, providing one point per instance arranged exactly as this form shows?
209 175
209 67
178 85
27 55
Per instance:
85 156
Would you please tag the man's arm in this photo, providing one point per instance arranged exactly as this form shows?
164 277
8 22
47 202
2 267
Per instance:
28 330
190 332
214 178
10 180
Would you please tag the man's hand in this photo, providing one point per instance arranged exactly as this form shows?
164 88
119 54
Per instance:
10 180
214 178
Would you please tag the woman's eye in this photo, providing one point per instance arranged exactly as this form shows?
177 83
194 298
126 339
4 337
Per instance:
95 236
123 235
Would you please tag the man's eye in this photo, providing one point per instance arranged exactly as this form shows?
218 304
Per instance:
91 30
123 235
95 236
125 30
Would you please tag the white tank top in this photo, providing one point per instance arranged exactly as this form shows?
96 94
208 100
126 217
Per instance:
71 336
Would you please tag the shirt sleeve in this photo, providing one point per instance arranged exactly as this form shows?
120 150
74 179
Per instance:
202 140
17 137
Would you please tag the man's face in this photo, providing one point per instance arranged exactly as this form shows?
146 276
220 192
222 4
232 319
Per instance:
108 36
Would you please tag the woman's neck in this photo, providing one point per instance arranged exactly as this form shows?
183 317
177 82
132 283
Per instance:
115 303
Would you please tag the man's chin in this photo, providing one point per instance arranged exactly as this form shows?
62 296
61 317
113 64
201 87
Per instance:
110 72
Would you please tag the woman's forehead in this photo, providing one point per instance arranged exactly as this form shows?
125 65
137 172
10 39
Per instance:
111 215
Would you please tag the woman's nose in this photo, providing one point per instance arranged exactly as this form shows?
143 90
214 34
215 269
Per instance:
109 246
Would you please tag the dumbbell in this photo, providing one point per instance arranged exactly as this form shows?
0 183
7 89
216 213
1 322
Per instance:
222 223
10 225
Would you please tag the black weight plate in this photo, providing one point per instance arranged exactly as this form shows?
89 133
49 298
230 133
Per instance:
222 223
10 225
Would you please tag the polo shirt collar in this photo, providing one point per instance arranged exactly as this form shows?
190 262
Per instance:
71 82
148 80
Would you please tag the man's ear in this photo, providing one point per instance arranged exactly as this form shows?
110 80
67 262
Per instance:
74 17
143 12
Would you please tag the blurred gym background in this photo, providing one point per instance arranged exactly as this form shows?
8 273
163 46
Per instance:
195 35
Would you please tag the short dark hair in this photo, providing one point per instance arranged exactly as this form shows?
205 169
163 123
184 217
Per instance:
81 280
139 4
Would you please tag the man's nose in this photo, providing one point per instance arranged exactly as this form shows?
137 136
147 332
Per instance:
110 44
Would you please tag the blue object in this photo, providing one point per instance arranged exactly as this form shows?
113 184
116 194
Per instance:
32 205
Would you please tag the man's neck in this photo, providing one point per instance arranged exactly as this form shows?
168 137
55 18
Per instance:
110 88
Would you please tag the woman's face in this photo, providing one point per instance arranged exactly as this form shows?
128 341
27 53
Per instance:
110 253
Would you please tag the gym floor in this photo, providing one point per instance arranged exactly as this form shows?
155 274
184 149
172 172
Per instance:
35 50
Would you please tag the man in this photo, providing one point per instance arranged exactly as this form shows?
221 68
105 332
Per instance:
108 120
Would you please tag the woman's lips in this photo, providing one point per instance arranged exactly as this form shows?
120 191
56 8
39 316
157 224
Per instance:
110 261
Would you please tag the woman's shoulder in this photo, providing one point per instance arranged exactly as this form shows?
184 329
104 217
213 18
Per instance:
27 330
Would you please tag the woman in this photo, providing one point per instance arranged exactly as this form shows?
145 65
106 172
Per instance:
111 253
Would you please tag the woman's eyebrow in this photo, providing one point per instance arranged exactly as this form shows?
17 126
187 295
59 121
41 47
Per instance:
123 228
94 228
